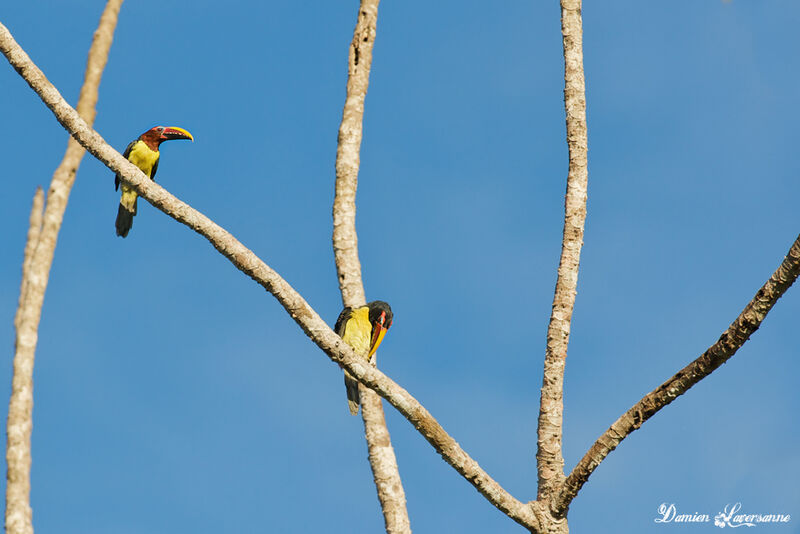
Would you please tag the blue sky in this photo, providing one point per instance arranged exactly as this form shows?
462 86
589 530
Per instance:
172 394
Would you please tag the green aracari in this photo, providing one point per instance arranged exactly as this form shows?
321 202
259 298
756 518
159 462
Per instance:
363 329
142 152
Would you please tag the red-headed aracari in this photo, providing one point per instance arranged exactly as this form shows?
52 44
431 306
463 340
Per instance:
363 329
143 152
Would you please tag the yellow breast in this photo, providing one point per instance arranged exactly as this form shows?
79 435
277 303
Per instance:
358 331
143 157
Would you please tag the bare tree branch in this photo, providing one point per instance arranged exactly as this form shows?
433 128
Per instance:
552 483
729 342
19 425
550 461
244 260
383 462
345 239
34 285
34 229
382 459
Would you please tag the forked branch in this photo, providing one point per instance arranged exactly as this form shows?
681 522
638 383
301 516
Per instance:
246 261
729 342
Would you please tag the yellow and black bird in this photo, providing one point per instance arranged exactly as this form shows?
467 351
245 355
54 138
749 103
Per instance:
142 152
363 329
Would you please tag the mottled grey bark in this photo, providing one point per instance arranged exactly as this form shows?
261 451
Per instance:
34 229
345 239
550 461
382 459
39 252
20 410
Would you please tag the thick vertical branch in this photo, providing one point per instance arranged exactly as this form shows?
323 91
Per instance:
18 517
550 461
345 247
385 470
18 452
345 239
34 229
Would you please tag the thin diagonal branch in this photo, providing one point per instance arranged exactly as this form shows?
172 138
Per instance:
34 285
382 459
247 262
729 342
550 461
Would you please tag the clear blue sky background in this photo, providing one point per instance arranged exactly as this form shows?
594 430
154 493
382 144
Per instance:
172 394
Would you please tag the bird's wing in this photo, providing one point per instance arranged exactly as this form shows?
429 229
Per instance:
155 168
342 321
117 178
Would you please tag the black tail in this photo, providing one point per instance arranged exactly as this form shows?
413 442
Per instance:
124 221
353 398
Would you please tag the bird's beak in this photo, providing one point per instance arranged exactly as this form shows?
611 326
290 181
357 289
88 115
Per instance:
173 132
377 336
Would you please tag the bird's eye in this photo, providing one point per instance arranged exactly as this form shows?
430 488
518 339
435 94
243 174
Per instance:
383 317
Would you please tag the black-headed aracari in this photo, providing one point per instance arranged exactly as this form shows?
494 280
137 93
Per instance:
142 152
363 329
